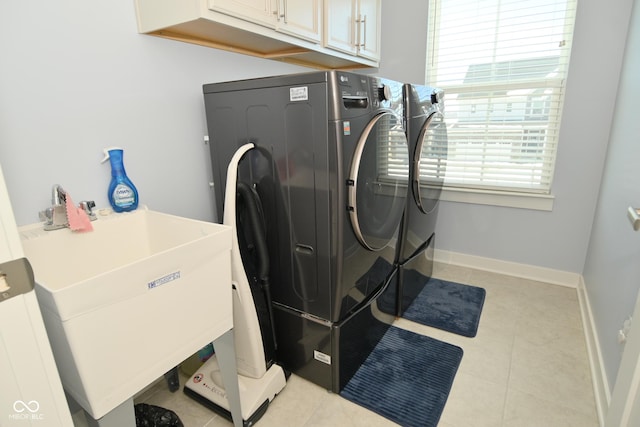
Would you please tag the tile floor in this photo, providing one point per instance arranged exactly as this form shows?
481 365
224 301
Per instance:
527 367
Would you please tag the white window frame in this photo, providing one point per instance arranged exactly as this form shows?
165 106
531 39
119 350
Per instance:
481 193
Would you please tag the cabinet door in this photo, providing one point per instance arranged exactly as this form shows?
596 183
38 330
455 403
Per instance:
340 25
258 11
300 18
368 28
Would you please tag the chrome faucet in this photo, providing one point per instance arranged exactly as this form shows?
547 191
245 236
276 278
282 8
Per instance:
55 217
58 195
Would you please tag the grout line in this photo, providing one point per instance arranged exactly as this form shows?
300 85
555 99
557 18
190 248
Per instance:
506 391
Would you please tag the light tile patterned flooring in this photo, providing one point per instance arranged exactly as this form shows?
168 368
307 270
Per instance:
527 367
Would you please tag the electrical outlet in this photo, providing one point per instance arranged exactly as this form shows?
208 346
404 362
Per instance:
622 333
622 337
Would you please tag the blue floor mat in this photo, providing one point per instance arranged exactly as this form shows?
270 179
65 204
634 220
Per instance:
449 306
406 378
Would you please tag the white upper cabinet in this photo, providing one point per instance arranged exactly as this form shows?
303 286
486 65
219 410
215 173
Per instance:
302 18
369 28
334 34
353 26
339 25
298 18
258 11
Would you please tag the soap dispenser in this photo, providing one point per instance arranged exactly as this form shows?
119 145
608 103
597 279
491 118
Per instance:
123 195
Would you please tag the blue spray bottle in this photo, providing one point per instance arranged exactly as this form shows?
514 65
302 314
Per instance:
123 195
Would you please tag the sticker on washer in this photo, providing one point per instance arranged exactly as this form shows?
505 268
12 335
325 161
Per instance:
321 357
346 127
298 93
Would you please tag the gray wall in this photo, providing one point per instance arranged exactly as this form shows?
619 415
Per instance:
76 77
404 40
556 239
612 269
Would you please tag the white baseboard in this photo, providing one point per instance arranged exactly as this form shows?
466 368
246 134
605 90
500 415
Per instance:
557 277
525 271
598 374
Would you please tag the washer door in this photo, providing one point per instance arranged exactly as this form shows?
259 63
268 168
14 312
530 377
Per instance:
378 180
429 163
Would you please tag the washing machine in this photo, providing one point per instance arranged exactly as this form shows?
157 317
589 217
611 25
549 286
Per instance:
330 149
427 139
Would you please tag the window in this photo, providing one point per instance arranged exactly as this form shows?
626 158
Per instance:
502 65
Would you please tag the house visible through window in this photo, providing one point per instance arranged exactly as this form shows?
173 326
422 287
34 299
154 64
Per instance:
502 65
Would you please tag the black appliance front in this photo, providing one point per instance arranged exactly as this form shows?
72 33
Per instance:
428 148
329 354
332 205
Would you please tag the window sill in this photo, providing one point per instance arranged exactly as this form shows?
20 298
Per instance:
541 202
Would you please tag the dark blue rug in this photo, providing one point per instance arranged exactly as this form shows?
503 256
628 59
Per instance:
449 306
406 378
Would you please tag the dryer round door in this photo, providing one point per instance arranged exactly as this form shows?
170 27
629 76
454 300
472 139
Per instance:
429 163
378 181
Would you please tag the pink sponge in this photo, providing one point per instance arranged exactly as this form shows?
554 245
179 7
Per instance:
77 217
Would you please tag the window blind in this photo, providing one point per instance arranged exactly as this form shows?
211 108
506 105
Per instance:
502 65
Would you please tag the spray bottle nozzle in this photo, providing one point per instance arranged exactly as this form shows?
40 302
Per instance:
107 151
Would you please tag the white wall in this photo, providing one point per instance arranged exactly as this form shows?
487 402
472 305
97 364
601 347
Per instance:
75 76
612 269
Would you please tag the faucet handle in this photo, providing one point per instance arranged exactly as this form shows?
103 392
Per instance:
46 216
87 206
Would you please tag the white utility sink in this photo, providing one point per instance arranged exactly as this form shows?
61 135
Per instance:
125 303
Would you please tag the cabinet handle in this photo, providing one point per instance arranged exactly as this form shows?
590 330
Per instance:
362 31
281 10
634 217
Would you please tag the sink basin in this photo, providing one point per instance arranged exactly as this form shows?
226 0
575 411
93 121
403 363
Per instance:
125 303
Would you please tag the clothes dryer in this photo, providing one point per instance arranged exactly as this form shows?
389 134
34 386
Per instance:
427 138
332 200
